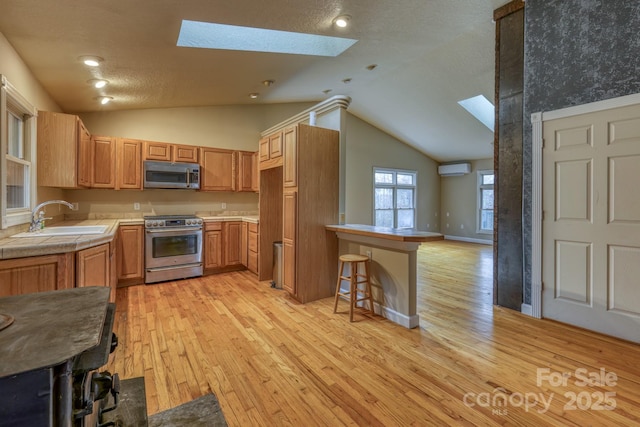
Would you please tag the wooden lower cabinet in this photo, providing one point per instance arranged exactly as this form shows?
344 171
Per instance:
213 245
224 247
130 254
252 247
244 244
36 274
93 267
232 238
290 209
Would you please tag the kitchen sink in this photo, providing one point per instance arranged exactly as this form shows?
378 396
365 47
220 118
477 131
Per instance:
67 230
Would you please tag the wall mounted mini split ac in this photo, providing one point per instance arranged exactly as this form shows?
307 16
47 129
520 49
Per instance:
455 169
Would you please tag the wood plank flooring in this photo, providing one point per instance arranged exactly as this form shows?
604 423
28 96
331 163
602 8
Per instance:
274 362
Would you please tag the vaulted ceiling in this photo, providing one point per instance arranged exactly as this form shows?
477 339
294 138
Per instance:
429 55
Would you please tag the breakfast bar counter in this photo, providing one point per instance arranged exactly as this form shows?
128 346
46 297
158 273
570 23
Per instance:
393 254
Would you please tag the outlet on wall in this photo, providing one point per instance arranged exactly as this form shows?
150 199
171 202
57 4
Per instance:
369 255
136 206
461 226
223 205
75 206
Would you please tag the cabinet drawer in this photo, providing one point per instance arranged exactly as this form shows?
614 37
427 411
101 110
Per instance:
213 226
253 242
253 228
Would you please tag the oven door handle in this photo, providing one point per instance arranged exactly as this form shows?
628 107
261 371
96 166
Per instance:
172 230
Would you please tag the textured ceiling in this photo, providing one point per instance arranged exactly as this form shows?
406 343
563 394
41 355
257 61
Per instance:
430 54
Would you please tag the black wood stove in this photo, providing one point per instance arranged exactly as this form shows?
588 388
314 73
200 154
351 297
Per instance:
52 345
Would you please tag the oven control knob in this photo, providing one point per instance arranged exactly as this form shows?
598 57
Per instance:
155 223
188 222
199 221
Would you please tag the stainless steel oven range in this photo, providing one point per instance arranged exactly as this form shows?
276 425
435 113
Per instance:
173 247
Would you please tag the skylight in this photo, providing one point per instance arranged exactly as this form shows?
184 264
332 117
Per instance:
230 37
480 108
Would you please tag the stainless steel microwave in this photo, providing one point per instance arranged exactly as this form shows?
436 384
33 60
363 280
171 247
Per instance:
171 175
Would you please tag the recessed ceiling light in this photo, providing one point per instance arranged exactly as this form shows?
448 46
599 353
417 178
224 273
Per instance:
104 99
268 82
342 21
346 81
372 67
254 95
326 91
231 37
91 61
98 83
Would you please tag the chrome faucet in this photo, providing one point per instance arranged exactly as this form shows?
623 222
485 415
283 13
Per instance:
36 223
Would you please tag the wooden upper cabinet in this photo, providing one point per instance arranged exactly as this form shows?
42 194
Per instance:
185 153
246 172
218 169
275 145
166 152
103 158
64 151
255 173
157 151
85 154
271 151
264 149
129 167
290 162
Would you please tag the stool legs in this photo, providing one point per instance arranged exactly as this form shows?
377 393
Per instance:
354 289
335 304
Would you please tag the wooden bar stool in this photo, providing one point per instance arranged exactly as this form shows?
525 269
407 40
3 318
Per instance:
354 279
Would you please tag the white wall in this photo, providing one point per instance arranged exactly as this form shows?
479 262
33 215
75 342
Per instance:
369 147
459 201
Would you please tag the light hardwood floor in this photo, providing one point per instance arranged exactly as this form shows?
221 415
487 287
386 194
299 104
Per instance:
271 361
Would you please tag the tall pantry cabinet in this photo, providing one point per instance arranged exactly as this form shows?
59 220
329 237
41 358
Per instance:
310 201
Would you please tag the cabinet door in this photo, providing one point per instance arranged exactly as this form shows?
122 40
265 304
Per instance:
157 151
245 171
290 172
244 247
84 163
218 169
129 170
255 173
232 243
289 231
185 153
275 145
57 150
264 149
36 274
92 266
252 248
130 252
103 159
213 249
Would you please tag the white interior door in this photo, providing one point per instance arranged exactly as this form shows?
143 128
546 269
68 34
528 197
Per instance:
591 222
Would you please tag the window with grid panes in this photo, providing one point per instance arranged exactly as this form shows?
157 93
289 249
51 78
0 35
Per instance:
485 201
394 198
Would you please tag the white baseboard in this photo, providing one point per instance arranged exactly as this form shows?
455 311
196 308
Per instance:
468 239
409 322
526 309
